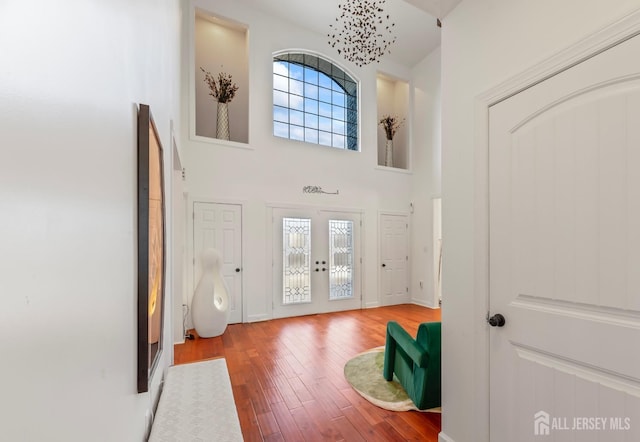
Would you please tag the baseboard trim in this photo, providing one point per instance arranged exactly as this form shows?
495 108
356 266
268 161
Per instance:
444 438
259 318
423 303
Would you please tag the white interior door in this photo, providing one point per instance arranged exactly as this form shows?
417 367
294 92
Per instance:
565 254
219 226
316 261
394 259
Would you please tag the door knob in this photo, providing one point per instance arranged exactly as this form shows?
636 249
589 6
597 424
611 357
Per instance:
384 265
324 262
324 270
238 270
317 270
496 320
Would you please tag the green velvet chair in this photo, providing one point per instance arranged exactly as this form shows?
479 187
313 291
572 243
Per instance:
415 362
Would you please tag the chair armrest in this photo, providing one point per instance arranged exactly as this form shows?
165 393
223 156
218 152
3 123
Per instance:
418 354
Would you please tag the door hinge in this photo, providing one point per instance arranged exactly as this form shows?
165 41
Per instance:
360 260
407 289
360 223
407 257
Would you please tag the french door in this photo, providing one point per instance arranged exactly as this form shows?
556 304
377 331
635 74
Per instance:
316 261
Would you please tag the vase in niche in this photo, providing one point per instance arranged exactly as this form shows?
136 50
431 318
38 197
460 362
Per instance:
388 158
222 128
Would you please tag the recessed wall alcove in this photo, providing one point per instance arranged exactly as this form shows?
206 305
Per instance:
221 45
393 100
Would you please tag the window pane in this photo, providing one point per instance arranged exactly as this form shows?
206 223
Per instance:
280 129
310 91
281 68
296 133
338 99
324 138
280 98
338 141
311 120
338 127
296 102
311 135
324 95
325 80
337 112
280 114
296 117
280 82
296 71
325 124
311 105
324 109
296 87
340 259
296 261
311 76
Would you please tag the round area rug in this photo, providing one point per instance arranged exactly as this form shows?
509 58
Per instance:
364 373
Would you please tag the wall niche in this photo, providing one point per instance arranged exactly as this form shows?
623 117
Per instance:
393 100
221 46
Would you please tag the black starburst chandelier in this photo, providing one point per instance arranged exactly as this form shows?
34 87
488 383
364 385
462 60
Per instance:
363 32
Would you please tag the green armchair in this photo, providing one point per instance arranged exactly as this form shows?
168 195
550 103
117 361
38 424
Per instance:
415 362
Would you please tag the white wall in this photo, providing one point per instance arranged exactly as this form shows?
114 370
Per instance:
72 73
425 182
485 42
272 170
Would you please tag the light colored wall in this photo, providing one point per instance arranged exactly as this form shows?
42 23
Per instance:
273 170
72 73
485 42
218 49
393 99
425 181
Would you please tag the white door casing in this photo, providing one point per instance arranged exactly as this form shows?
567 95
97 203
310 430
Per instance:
564 214
321 264
219 226
394 259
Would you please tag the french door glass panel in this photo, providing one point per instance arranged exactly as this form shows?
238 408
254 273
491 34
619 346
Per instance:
340 259
296 264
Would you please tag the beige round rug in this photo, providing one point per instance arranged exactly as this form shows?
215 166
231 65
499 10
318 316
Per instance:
364 374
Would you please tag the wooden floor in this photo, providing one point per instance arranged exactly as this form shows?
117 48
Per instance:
288 383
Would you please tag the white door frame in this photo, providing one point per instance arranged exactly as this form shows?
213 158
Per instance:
599 41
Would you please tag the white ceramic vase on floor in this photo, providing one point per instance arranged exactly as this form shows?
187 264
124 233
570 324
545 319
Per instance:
210 304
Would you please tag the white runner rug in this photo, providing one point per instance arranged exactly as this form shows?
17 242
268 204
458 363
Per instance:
197 404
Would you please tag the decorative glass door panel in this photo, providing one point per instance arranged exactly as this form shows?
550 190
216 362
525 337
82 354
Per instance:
340 259
316 261
296 262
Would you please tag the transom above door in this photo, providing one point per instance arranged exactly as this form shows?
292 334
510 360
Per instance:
316 261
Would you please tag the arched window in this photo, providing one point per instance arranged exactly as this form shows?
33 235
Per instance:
314 101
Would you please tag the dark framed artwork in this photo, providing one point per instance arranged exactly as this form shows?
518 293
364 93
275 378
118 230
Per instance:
151 247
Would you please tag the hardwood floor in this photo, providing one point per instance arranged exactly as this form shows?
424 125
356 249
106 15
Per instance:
288 383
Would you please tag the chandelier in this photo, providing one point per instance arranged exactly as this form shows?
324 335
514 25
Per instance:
362 33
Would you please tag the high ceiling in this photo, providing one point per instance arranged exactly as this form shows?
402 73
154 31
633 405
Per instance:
415 21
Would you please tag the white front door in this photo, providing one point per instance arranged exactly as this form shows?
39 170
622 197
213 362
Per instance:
219 226
394 259
316 261
564 191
